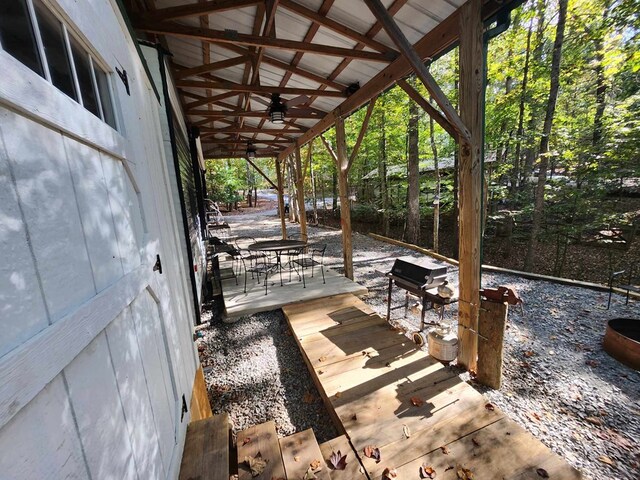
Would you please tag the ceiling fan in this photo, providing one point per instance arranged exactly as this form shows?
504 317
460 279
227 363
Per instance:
278 107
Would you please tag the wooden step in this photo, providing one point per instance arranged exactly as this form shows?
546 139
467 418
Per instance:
206 449
353 469
261 439
298 452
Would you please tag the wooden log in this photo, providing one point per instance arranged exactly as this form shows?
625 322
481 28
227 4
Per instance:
283 223
491 326
345 207
299 172
470 175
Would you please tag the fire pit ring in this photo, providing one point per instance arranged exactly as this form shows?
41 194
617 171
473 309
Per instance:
622 341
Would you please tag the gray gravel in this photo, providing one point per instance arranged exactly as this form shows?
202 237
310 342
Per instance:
558 382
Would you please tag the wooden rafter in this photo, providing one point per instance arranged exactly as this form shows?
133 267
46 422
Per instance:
221 36
416 62
264 175
427 107
208 67
308 114
213 99
265 131
237 87
193 10
325 21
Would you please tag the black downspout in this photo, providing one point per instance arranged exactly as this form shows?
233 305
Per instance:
176 164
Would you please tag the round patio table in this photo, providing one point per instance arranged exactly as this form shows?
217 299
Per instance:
278 246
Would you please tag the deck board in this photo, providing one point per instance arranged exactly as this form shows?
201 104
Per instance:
367 374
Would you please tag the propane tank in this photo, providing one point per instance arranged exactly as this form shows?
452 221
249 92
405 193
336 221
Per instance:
443 344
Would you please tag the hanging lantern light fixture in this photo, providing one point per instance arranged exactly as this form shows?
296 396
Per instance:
277 109
251 151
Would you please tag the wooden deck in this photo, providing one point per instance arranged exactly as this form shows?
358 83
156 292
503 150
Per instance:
378 386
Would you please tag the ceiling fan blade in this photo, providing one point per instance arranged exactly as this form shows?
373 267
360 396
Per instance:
297 100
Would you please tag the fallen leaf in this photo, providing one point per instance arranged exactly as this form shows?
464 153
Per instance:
450 467
594 421
354 417
490 407
592 363
256 464
309 398
389 473
427 472
542 473
338 394
246 440
406 431
338 461
296 458
417 401
445 450
309 475
320 372
322 359
529 353
464 473
315 465
607 460
372 452
475 442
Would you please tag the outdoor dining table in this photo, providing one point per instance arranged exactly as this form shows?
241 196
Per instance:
277 246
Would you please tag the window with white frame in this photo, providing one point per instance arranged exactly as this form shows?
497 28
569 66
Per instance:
34 35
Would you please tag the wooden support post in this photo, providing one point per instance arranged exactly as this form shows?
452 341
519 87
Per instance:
299 172
283 223
491 326
470 175
345 207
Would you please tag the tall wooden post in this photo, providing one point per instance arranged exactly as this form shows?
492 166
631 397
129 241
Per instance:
470 174
345 207
300 192
283 223
491 325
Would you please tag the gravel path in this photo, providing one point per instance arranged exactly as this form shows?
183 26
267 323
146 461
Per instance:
558 382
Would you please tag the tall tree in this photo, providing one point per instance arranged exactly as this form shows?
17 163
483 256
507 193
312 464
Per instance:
546 133
382 170
413 177
436 193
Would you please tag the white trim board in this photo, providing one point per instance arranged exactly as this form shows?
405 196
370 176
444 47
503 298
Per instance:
27 369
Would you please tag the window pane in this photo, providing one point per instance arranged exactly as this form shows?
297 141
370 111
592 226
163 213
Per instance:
105 96
17 36
83 70
55 50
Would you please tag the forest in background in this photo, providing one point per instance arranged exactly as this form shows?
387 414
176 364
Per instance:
562 149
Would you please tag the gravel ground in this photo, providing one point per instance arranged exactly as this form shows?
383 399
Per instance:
558 382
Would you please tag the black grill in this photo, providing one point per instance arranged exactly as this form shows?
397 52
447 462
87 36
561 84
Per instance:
419 277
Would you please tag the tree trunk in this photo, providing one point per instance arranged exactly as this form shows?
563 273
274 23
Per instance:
601 85
413 176
313 185
382 174
515 178
335 189
436 195
556 59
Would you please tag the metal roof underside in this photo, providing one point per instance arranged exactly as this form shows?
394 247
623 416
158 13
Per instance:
229 57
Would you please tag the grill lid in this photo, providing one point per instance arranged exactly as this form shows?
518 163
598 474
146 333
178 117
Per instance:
418 272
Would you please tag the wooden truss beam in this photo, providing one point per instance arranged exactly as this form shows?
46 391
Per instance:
193 10
255 141
266 131
222 36
207 100
208 67
236 87
415 60
325 21
253 114
363 130
264 175
427 107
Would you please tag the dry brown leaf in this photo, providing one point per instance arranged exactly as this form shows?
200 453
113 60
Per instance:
296 458
320 372
406 431
445 450
354 417
322 359
256 464
475 442
607 460
490 407
372 452
309 398
389 473
338 461
315 465
417 401
529 353
309 475
427 471
246 440
338 394
464 473
594 421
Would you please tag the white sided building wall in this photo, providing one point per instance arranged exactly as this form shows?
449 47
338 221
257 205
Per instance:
96 349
